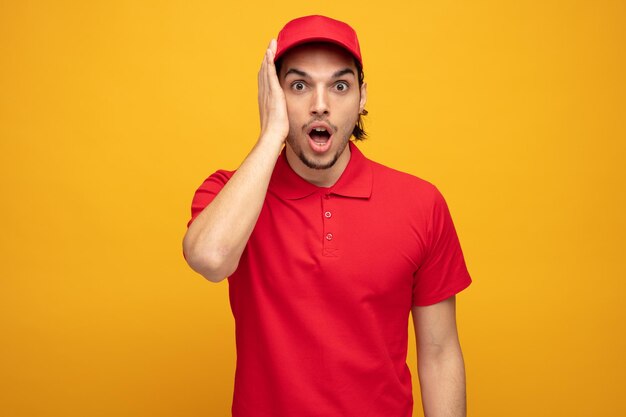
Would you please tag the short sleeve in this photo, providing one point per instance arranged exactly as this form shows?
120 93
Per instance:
443 272
207 192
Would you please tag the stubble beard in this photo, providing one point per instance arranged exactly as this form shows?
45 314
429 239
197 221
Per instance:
297 149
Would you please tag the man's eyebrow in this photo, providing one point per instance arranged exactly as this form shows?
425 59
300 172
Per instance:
343 72
297 72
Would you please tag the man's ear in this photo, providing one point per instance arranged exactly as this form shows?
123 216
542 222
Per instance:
363 97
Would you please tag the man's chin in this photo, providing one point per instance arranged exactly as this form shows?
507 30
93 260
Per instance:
318 164
315 161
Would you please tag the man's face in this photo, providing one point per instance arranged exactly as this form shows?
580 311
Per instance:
324 100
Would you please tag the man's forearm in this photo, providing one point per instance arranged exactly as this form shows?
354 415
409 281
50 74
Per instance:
442 381
214 242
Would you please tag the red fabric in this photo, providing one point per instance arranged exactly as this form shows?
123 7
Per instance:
324 289
317 29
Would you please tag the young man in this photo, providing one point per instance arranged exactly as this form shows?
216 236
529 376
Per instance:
327 253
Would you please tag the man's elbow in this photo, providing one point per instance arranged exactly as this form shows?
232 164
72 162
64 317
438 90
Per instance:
212 270
435 362
211 264
441 351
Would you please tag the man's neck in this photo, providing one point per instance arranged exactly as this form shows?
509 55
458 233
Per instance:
319 177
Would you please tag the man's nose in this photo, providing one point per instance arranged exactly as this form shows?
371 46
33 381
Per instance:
319 102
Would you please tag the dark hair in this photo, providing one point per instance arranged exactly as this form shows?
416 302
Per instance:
358 132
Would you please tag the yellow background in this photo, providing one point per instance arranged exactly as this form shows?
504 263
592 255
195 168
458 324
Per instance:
113 112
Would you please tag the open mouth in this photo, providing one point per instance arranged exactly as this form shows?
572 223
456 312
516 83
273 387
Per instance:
320 137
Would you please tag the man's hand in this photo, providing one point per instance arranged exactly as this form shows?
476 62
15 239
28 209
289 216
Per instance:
272 104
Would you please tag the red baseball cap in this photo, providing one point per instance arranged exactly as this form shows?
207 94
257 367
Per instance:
317 29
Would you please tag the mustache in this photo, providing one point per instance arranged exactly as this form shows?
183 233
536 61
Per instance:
307 125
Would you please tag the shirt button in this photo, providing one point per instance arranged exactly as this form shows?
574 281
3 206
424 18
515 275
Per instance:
329 236
327 214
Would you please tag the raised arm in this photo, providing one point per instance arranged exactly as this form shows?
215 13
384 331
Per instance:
216 239
440 364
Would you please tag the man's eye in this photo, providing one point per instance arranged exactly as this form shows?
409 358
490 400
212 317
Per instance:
298 86
341 86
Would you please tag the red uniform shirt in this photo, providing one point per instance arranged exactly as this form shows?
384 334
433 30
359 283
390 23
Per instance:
324 289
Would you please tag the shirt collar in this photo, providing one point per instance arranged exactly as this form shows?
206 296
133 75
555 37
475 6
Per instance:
355 181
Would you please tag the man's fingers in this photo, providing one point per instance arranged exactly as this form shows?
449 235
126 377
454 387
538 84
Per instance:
272 77
263 73
272 49
272 106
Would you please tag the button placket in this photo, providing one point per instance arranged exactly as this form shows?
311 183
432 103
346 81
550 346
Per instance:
329 237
